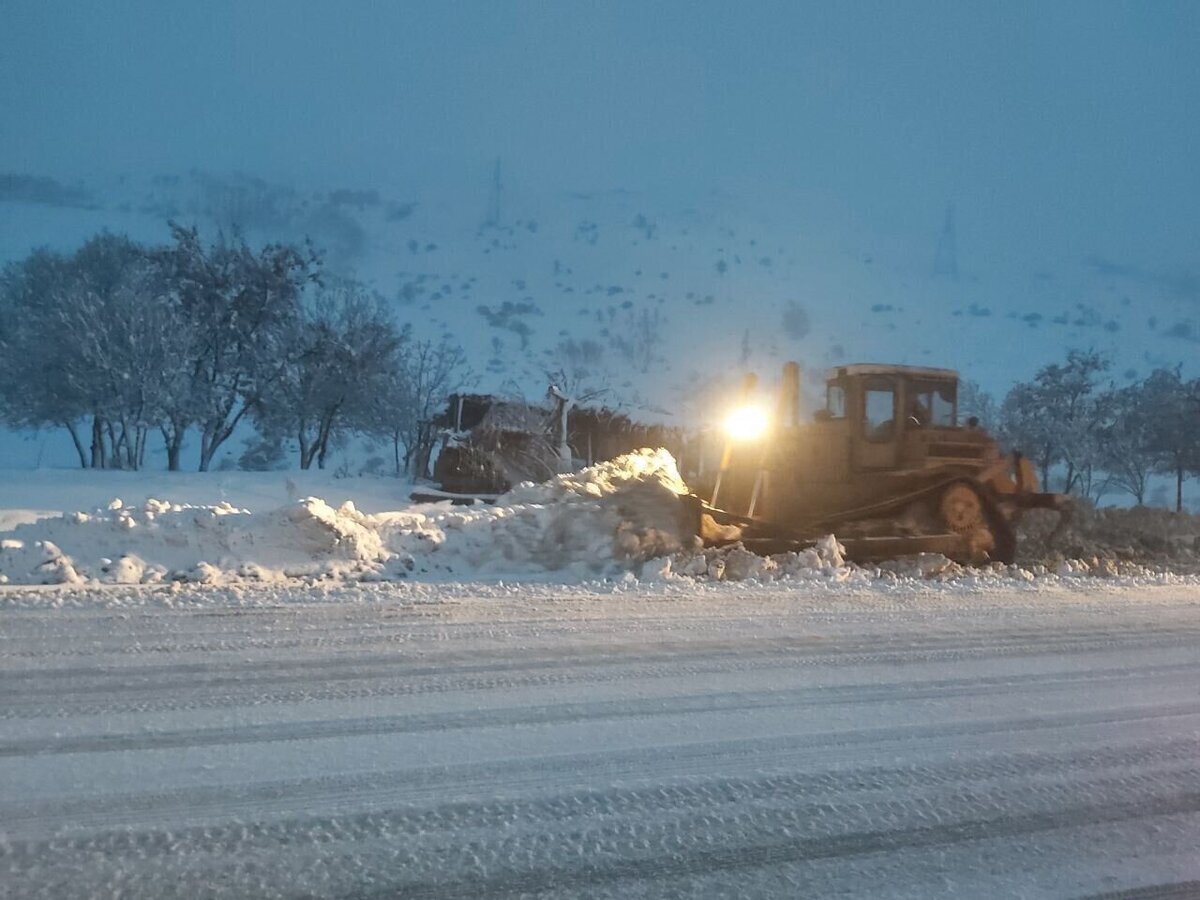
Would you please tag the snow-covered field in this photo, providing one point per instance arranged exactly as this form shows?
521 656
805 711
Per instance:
420 740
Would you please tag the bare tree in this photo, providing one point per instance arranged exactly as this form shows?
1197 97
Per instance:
975 402
405 399
638 337
571 385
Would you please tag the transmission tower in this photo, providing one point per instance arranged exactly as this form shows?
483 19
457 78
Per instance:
945 262
492 219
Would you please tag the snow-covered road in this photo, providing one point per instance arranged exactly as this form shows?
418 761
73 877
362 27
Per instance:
735 742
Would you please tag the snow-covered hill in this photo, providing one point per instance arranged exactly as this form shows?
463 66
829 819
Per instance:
658 298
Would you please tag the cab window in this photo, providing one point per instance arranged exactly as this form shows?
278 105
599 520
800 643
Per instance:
835 401
933 403
879 410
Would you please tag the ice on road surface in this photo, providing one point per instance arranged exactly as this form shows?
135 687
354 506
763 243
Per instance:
741 742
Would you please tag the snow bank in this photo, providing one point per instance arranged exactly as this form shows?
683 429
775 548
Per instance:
616 520
604 520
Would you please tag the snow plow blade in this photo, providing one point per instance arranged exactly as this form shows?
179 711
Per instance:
721 528
872 549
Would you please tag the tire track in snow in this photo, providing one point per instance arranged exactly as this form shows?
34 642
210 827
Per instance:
703 861
419 788
688 833
559 714
354 683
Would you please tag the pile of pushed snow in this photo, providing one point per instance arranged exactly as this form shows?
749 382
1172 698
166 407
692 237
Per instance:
161 541
606 519
609 517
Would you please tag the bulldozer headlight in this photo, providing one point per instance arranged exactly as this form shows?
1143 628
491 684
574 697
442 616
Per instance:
747 423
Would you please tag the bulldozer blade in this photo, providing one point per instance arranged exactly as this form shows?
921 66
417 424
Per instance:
1060 503
863 550
877 549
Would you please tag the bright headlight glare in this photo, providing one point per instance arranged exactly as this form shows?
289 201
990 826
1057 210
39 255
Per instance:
746 423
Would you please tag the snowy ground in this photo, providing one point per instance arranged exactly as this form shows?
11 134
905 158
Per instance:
791 739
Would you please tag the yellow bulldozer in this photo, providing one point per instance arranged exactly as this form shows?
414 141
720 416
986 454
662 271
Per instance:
886 465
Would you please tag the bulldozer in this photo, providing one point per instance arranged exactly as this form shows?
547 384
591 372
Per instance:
885 465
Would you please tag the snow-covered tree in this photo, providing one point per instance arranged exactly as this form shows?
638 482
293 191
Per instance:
241 308
93 336
1171 407
1056 418
1126 454
339 348
127 336
33 390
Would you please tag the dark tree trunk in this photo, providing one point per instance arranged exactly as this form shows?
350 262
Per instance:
207 449
83 460
173 439
1178 488
99 460
307 449
217 433
114 449
323 437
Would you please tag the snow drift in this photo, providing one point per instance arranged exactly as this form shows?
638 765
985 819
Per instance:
606 519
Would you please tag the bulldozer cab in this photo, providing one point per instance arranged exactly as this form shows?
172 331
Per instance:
892 412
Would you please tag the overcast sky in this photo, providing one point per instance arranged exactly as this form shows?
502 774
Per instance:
1068 124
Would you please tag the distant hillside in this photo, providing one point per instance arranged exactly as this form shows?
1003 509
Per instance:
657 299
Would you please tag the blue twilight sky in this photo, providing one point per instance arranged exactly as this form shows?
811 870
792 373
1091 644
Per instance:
1059 128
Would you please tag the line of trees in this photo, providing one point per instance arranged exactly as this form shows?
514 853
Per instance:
1073 421
119 342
